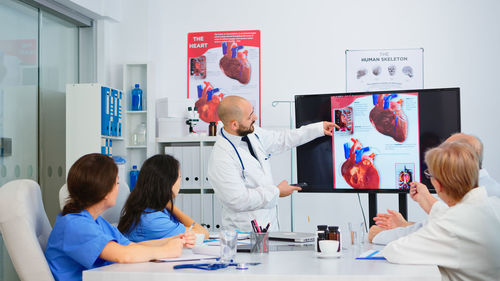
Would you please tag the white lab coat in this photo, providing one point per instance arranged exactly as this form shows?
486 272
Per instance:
462 240
254 196
491 185
386 236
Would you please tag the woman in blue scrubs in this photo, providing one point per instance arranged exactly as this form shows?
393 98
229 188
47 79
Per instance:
82 240
149 212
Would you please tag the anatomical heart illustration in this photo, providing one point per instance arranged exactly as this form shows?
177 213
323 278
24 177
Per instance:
234 63
388 117
207 102
358 169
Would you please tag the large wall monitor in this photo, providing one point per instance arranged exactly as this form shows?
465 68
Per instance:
382 139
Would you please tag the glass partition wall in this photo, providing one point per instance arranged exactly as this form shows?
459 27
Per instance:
39 55
18 102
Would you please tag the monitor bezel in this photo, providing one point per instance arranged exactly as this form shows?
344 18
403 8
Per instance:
330 189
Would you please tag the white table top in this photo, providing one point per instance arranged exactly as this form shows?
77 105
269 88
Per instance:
283 265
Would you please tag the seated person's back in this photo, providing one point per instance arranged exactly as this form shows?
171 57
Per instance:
155 225
149 212
81 239
462 239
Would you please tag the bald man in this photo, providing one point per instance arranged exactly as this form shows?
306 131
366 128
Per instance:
491 185
392 226
239 169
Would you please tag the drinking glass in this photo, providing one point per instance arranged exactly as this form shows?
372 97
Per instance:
228 241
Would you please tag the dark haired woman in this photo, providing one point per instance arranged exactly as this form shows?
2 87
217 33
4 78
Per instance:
149 212
82 240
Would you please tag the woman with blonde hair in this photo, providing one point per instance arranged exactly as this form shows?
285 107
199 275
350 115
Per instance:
462 239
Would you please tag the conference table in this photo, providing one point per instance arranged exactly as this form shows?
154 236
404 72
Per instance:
296 263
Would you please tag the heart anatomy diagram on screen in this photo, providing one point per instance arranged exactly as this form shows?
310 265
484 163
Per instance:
388 118
377 144
358 169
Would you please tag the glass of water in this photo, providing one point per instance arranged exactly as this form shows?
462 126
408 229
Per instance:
228 241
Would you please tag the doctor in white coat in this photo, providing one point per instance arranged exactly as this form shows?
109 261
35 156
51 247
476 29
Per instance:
461 239
239 169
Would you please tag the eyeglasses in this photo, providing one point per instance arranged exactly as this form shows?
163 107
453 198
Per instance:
428 174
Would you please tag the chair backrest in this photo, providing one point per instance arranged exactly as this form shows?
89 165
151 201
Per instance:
25 229
112 215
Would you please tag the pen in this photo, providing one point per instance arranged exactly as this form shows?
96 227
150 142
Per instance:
256 225
267 227
191 227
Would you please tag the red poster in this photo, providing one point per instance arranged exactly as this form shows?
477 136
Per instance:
223 63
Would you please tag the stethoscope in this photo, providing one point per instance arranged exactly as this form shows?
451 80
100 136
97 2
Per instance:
243 166
238 154
214 266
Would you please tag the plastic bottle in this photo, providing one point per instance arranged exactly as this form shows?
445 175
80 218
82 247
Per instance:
134 173
136 98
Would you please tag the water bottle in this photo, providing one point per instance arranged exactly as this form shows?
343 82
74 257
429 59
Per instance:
134 173
136 98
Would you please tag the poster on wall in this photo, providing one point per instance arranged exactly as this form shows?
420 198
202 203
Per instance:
222 63
377 70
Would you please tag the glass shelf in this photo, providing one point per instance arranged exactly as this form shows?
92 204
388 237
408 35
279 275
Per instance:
136 147
111 137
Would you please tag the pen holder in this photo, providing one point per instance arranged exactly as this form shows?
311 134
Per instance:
259 242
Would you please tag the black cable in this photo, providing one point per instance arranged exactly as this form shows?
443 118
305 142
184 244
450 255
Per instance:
363 213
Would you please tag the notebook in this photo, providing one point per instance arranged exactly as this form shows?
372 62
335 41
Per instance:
299 237
371 255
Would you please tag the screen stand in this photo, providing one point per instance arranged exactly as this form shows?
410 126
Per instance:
403 205
372 207
290 103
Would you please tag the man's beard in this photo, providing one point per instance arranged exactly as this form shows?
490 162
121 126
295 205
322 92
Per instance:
245 131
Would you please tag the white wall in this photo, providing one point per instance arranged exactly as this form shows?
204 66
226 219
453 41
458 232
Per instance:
303 51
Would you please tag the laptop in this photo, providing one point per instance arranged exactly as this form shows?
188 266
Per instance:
298 237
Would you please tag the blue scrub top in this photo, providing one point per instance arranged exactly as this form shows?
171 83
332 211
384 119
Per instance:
75 243
155 225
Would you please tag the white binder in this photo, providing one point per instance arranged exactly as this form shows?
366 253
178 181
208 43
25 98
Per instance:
193 206
217 214
207 150
196 180
186 167
207 211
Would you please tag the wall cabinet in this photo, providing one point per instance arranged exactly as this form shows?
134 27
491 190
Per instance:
196 197
92 121
88 128
137 153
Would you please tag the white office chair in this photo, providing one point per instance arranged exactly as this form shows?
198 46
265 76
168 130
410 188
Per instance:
25 229
112 215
